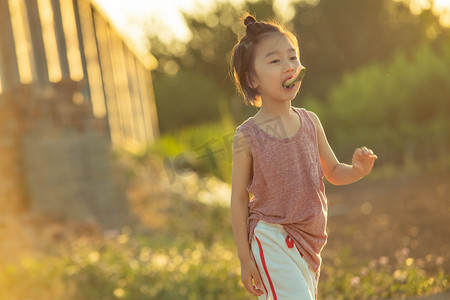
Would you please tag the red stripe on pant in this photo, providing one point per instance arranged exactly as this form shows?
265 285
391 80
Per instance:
261 254
259 273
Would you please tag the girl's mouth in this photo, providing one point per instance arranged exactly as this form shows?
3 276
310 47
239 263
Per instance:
289 83
289 86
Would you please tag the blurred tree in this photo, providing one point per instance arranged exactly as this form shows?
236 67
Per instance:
335 37
339 36
399 108
207 53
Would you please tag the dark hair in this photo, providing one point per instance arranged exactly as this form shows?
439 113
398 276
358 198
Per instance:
243 54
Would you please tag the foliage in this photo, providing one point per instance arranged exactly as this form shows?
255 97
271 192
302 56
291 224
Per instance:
190 254
194 93
37 278
124 266
398 105
204 148
120 268
187 98
399 108
125 269
379 278
194 75
339 37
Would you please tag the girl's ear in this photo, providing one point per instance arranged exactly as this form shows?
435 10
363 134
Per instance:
252 82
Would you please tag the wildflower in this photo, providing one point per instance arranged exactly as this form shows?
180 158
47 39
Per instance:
409 261
439 260
196 254
404 252
383 260
354 282
160 260
400 276
119 293
430 281
93 256
122 239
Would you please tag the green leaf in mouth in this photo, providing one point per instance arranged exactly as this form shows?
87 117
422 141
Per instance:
298 77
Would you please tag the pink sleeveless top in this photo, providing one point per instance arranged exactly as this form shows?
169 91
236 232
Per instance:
286 183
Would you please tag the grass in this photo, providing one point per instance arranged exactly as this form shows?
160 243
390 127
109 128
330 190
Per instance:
205 149
125 266
380 278
183 248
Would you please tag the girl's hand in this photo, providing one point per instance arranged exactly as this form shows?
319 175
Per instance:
250 274
362 161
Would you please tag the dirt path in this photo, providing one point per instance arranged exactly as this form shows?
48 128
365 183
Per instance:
378 218
445 296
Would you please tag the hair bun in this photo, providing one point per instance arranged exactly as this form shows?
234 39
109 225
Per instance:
249 20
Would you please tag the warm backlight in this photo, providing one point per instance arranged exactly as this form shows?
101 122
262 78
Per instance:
48 35
21 40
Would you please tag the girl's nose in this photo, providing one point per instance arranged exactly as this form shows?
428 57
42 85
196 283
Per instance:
291 66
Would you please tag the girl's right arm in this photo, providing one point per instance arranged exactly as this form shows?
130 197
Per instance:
242 162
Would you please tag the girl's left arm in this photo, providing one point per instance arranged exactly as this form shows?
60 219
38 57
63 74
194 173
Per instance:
338 173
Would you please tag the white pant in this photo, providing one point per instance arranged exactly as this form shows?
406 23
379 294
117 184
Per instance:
284 272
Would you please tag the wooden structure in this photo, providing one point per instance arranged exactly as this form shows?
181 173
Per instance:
71 90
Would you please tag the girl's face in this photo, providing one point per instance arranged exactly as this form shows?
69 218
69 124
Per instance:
276 61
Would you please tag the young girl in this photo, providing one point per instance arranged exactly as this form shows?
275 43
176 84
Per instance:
280 156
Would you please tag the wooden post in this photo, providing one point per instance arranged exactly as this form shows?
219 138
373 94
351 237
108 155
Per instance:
103 41
60 39
148 105
152 105
12 195
9 69
40 60
121 84
97 95
71 35
135 97
76 10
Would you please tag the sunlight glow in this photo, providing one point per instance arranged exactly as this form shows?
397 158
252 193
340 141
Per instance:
21 42
440 8
285 8
71 35
165 17
92 61
48 35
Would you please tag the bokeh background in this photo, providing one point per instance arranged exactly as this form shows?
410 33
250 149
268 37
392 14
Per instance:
116 123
